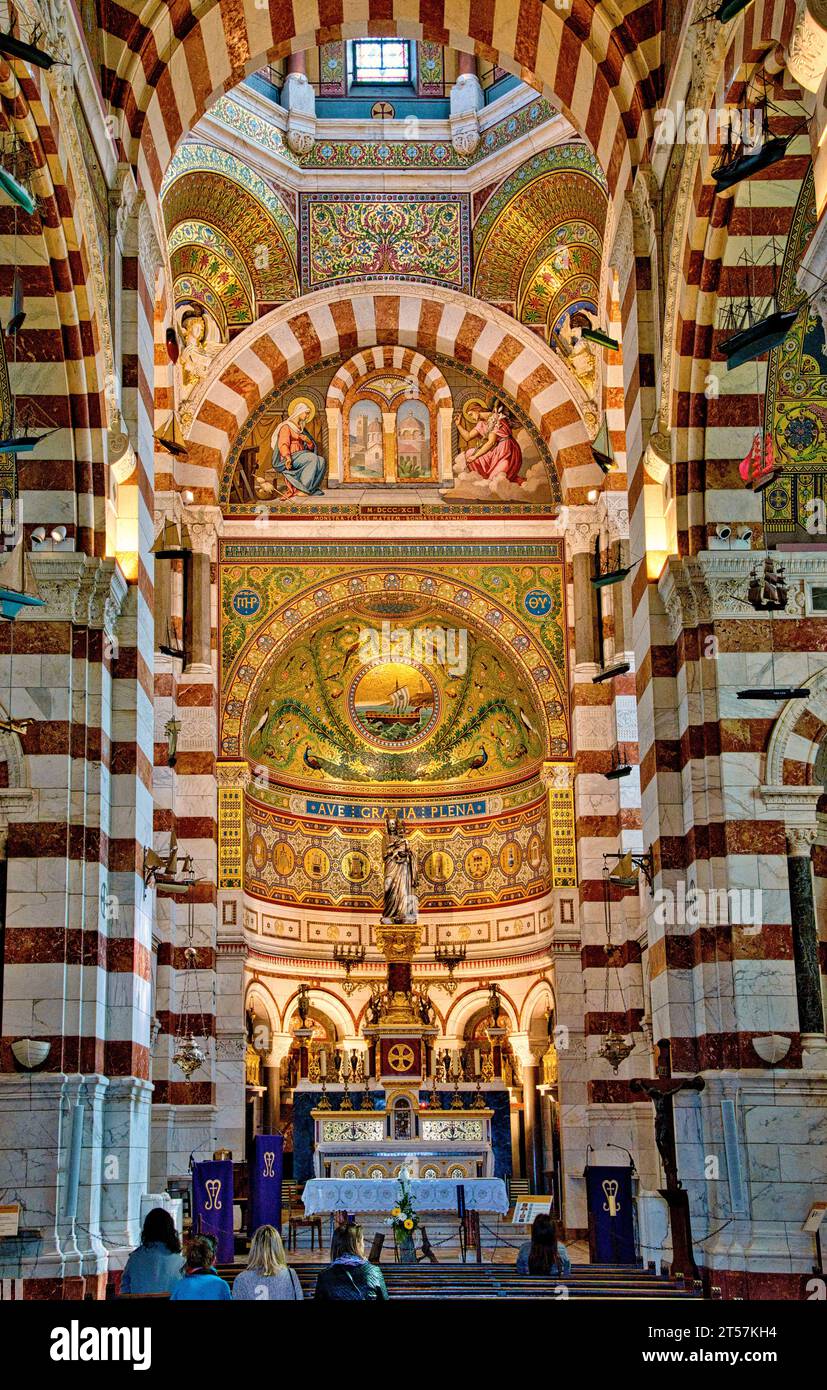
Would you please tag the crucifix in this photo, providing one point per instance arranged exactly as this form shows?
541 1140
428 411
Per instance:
660 1092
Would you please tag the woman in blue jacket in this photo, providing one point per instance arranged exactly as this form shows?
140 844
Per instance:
157 1265
201 1283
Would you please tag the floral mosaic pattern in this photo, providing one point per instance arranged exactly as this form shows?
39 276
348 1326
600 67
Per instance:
383 154
796 402
538 240
407 236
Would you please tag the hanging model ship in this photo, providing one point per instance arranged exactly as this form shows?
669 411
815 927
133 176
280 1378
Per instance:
750 334
757 468
768 591
744 155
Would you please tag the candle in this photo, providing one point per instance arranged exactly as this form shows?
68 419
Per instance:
323 1062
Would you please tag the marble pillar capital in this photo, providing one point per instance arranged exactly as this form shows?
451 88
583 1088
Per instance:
807 50
800 840
78 588
204 527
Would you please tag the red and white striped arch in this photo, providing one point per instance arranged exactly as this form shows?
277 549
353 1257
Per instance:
384 359
349 318
164 74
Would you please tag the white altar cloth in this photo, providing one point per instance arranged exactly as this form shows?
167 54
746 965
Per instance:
382 1194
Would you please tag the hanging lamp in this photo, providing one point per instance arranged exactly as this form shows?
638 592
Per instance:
188 1055
614 1048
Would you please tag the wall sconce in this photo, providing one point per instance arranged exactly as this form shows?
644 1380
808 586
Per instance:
29 1053
53 539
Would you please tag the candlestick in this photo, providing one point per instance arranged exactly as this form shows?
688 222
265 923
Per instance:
456 1102
324 1103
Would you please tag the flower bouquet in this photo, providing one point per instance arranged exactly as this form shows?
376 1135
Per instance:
404 1220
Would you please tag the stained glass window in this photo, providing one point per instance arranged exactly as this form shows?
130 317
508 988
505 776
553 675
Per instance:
381 60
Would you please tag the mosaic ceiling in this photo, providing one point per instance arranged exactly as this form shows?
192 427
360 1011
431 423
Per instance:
229 234
400 236
538 241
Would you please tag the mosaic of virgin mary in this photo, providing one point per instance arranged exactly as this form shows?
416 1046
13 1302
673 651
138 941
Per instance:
295 452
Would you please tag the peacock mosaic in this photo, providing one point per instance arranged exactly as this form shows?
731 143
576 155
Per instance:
383 669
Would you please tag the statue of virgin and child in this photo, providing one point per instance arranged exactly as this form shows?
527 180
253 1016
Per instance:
401 903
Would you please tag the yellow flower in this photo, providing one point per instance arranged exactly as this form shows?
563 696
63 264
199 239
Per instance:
397 1211
409 1224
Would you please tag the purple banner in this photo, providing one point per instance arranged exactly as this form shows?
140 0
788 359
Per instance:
212 1205
265 1181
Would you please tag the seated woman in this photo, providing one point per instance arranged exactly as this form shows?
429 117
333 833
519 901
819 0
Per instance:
295 454
201 1283
268 1274
157 1265
543 1254
350 1276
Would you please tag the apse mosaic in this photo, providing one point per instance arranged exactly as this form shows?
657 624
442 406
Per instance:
470 448
359 668
399 236
796 401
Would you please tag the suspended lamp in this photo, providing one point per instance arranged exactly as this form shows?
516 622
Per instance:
614 1048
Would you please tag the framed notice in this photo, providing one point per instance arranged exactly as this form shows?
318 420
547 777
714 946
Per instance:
526 1208
10 1219
817 1213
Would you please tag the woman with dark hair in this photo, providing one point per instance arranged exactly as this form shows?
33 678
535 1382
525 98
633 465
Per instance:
543 1254
157 1264
350 1275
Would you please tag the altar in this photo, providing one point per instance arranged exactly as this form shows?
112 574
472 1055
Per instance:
432 1143
323 1195
386 1110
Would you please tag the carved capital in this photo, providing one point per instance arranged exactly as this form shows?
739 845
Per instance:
79 589
807 51
800 840
204 525
149 249
557 776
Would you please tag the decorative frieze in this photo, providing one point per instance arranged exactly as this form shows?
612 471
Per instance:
79 589
712 585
